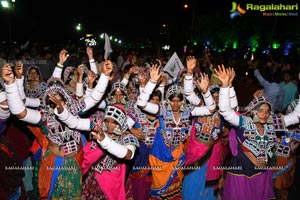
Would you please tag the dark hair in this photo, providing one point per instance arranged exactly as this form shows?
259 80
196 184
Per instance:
179 95
214 90
156 93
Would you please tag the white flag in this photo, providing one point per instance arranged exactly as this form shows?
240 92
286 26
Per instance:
107 47
173 66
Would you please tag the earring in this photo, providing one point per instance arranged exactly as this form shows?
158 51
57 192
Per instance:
182 107
270 120
117 131
123 101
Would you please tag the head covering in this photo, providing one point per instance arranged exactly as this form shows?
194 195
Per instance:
255 103
118 85
117 113
38 71
56 87
54 80
174 90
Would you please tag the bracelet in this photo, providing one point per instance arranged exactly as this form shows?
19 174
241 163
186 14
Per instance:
188 74
59 66
152 81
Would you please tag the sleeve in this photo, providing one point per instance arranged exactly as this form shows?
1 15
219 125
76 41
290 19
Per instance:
73 122
225 108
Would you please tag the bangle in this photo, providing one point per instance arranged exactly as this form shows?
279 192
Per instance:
59 66
92 61
152 81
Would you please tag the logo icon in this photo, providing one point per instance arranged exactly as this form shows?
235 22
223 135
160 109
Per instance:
236 10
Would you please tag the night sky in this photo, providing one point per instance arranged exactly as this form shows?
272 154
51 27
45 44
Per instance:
127 19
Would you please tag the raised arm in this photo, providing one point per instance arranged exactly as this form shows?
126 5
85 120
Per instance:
73 122
226 111
120 151
79 84
90 54
188 86
144 96
98 92
232 94
14 100
63 56
19 78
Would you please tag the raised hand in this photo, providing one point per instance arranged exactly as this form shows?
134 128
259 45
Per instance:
107 67
63 56
223 75
7 74
155 73
89 52
190 63
203 82
58 101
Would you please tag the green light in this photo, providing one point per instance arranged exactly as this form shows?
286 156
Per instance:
195 43
254 43
234 44
275 45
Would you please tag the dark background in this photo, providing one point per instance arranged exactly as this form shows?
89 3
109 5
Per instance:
137 20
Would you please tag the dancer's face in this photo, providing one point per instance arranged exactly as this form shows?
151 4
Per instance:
110 124
263 113
175 104
155 100
118 96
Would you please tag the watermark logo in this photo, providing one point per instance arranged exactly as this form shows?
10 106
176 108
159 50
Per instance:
236 10
267 10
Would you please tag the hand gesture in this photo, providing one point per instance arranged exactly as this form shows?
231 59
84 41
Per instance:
190 63
223 75
57 100
155 73
63 56
203 82
7 74
89 52
97 133
107 67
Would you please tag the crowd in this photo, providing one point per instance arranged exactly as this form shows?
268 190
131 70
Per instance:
77 126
